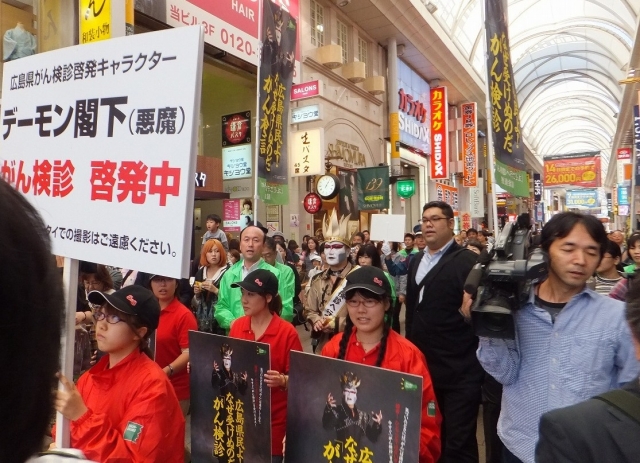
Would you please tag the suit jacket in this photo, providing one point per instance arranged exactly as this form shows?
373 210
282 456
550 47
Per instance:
436 326
590 432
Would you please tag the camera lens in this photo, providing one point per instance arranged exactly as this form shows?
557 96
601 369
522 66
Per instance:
495 322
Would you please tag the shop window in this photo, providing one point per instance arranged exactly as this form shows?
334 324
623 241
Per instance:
343 41
317 24
363 46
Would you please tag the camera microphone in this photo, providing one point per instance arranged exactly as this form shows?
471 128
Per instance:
475 275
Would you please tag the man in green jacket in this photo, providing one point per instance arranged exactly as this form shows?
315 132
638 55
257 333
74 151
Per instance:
229 305
287 281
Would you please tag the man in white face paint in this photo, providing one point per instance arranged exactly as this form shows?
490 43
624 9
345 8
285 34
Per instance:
324 300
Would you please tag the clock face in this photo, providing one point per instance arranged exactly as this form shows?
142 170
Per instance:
327 186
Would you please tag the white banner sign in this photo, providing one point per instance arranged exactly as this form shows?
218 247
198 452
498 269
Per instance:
100 138
388 227
306 153
236 162
476 201
305 114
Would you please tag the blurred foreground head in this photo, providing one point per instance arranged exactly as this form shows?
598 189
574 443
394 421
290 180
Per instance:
31 310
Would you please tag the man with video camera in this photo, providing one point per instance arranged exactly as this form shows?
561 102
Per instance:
570 342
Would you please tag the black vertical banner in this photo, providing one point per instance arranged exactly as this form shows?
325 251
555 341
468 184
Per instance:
537 187
636 137
279 32
505 114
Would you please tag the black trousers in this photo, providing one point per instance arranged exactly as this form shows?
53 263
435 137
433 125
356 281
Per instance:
491 401
459 407
509 457
395 322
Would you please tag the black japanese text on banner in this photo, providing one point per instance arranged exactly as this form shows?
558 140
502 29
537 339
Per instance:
96 138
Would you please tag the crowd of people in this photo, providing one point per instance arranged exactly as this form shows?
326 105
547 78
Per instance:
574 341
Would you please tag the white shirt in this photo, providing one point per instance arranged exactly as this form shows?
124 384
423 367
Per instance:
246 271
429 261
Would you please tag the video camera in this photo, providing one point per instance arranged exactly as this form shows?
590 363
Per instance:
501 280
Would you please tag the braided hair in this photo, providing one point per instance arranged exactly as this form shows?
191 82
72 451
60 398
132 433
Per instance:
348 329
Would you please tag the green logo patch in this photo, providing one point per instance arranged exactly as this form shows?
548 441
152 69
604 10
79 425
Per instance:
408 385
261 351
132 432
431 408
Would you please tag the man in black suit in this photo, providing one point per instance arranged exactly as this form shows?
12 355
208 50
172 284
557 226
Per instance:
434 324
595 431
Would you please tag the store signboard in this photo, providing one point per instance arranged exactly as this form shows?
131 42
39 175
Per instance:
476 201
305 114
306 90
230 25
306 153
470 144
448 194
237 162
414 110
624 154
583 198
114 143
439 133
537 187
572 170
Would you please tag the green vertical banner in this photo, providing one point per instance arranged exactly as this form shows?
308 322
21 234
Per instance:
373 188
279 33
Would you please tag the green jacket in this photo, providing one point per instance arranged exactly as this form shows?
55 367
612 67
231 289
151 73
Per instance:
286 288
393 288
229 305
403 252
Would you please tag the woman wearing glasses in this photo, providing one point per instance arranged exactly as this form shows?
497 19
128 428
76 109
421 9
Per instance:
124 408
368 339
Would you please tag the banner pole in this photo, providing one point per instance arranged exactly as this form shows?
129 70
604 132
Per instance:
257 137
493 207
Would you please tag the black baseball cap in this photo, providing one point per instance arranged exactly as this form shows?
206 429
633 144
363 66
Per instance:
370 278
259 281
133 300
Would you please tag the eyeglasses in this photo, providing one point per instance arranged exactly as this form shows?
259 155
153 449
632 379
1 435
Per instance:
111 318
433 220
368 303
334 246
92 284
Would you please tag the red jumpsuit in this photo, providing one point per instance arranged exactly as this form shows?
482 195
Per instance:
133 414
404 357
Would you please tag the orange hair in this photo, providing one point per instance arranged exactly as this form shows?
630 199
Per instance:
208 245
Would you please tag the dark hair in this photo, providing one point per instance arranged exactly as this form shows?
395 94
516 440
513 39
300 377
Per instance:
365 231
234 244
320 249
472 230
215 217
102 275
30 349
409 235
292 245
369 250
270 243
275 306
446 209
632 310
248 220
360 234
316 241
613 249
632 240
264 235
247 201
348 328
135 324
235 253
562 224
476 244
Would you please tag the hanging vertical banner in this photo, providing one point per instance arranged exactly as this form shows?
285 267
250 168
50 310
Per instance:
439 133
230 403
448 194
307 152
476 201
95 21
537 187
279 33
373 188
636 138
505 114
470 144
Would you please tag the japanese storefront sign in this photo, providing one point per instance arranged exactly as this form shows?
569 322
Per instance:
636 140
465 221
448 194
540 212
505 114
236 128
95 20
305 114
623 154
306 90
237 162
348 153
373 188
439 133
476 201
584 198
623 196
96 140
306 153
414 115
238 188
470 144
512 180
317 432
312 203
580 169
537 187
230 403
276 72
230 25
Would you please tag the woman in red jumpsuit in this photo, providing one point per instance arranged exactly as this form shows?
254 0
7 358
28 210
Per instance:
124 408
261 322
368 339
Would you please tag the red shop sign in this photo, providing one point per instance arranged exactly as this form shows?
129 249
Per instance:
312 203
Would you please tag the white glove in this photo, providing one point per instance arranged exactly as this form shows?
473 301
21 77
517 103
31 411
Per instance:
386 249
